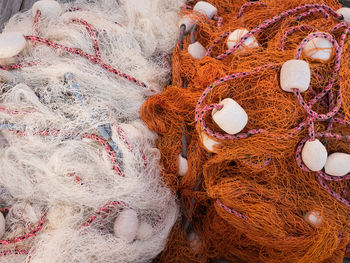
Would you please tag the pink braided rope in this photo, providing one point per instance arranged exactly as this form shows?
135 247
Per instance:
73 9
245 6
332 193
333 109
311 128
231 211
307 107
94 137
21 238
345 192
266 163
200 112
216 41
107 208
219 20
166 59
109 150
13 252
37 16
312 11
5 209
15 112
95 60
186 7
274 20
338 50
48 132
36 20
292 30
321 176
93 34
81 53
77 179
327 90
338 26
328 135
19 65
123 136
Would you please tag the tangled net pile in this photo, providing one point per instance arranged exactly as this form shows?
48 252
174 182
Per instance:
249 197
74 154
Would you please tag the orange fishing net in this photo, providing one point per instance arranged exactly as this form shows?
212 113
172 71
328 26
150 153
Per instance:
248 199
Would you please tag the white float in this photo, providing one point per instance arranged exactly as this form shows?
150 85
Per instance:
338 164
144 231
313 218
187 22
11 44
232 118
319 49
196 50
194 240
295 74
208 143
314 155
47 8
126 225
130 131
201 7
206 9
236 36
183 165
345 12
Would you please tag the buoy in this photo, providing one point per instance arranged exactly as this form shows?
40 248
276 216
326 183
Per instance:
201 7
314 155
232 118
208 143
47 8
338 164
11 44
126 225
183 165
295 74
2 225
206 9
195 242
144 231
187 22
196 50
236 36
25 212
132 132
319 48
313 218
345 12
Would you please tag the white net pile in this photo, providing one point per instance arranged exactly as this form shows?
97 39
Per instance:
73 151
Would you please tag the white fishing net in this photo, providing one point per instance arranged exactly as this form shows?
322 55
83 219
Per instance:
71 141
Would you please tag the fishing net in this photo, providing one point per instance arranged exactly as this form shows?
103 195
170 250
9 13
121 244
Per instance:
74 152
249 197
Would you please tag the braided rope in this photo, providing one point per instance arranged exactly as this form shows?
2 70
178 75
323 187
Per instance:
13 252
245 6
277 18
23 237
107 208
334 108
93 34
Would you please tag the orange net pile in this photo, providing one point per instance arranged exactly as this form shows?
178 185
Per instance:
248 199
